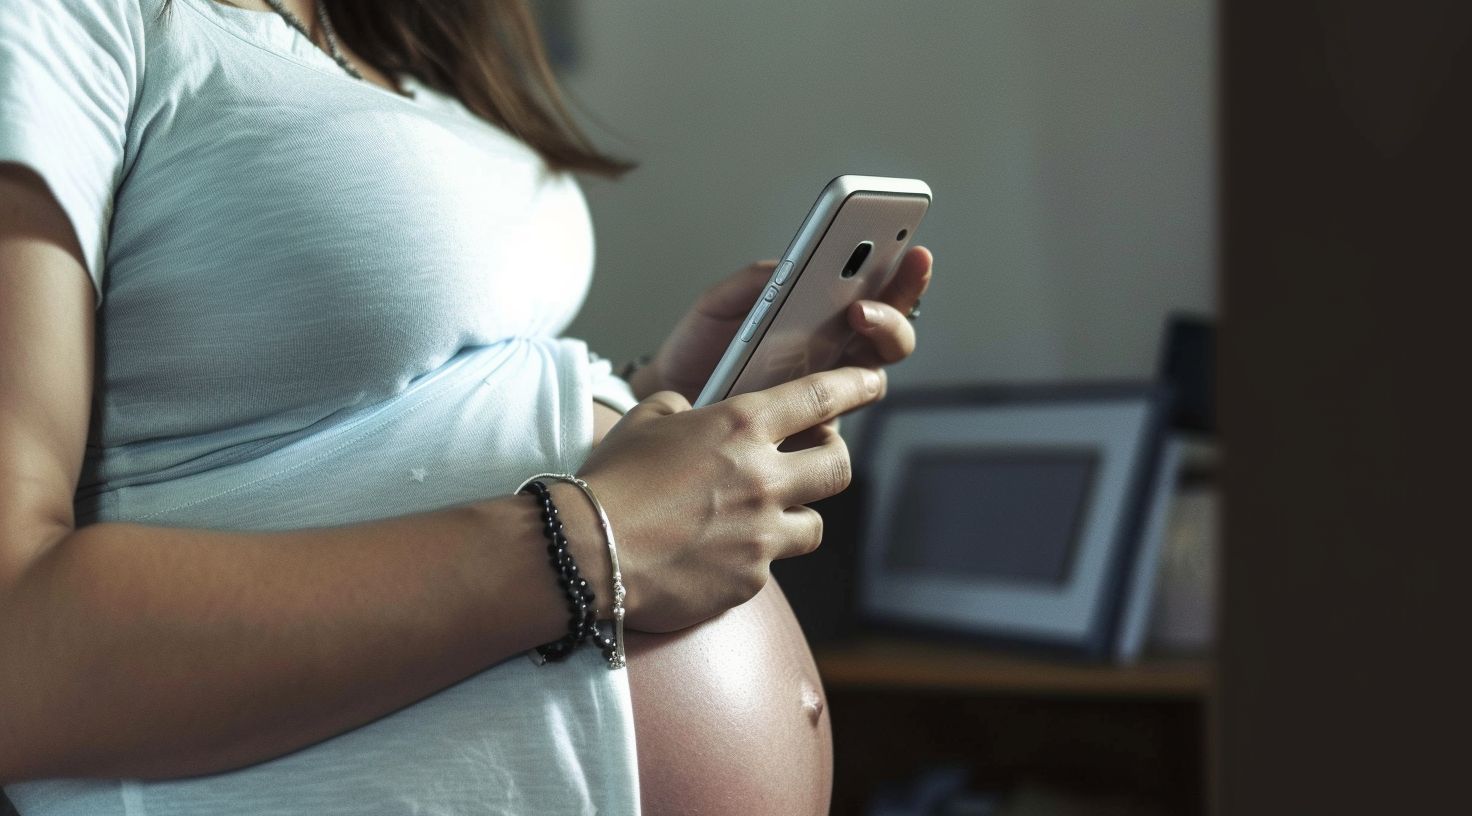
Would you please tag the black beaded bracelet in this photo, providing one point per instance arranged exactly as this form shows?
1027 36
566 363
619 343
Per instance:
612 645
582 623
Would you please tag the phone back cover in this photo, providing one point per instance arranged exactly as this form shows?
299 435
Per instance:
811 329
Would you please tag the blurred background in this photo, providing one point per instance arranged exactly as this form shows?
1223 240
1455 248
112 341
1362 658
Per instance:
1069 146
1239 221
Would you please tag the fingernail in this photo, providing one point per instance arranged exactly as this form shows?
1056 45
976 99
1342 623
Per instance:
871 381
871 314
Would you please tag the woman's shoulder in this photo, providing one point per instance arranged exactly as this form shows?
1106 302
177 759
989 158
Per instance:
61 17
112 26
84 30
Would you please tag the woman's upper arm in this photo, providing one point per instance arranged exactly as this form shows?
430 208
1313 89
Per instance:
70 73
47 324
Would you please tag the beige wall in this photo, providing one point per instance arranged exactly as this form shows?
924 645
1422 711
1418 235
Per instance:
1069 145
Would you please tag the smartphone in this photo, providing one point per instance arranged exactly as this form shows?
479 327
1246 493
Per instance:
847 249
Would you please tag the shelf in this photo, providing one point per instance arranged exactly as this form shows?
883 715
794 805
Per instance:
902 665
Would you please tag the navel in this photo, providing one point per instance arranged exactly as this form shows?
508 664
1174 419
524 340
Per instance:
812 703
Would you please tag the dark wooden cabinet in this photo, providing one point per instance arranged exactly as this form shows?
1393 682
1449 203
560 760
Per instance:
1134 737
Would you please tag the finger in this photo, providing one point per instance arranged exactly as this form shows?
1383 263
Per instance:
804 532
783 410
911 281
732 297
809 438
890 332
816 473
658 404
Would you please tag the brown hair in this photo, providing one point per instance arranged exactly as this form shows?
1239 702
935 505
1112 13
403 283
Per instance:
486 53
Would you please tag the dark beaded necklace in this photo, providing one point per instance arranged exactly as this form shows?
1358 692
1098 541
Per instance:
328 33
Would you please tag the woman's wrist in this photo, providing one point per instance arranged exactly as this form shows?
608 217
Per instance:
513 549
643 377
584 541
583 607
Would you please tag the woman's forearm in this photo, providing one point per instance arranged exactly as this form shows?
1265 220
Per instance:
155 652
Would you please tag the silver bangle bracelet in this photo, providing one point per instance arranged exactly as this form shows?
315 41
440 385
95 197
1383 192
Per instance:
616 659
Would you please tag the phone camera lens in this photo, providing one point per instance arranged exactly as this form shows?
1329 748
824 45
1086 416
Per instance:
902 235
856 260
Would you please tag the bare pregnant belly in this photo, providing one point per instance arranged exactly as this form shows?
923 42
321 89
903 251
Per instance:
730 715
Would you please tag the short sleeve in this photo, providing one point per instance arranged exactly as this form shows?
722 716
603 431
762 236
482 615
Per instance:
69 73
607 387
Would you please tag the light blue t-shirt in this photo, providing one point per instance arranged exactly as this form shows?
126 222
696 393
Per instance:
319 303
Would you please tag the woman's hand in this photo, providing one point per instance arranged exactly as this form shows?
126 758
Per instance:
687 358
702 500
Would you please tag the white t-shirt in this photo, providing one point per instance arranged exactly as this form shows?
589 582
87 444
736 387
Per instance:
319 303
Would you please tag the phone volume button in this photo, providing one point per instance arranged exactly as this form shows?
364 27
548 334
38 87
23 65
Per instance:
756 320
783 270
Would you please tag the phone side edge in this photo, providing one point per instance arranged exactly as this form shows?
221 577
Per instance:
799 251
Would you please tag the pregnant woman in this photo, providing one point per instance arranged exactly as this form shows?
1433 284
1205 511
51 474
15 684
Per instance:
281 290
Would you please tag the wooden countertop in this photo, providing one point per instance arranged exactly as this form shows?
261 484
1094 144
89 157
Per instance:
899 664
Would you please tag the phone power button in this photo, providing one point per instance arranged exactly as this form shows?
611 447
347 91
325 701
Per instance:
783 270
